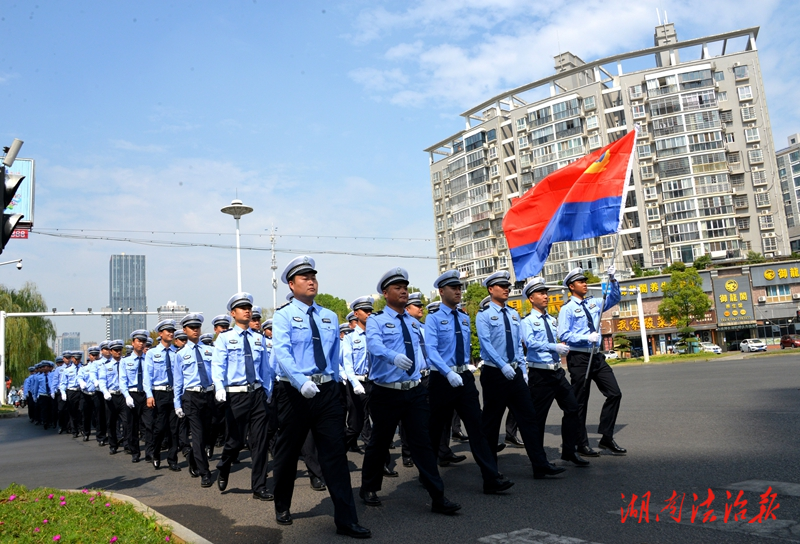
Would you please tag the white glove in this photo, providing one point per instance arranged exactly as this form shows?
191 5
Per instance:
269 398
454 379
562 349
402 362
508 372
219 394
309 389
96 384
525 375
611 271
129 402
82 384
179 412
107 395
472 368
594 337
53 395
358 389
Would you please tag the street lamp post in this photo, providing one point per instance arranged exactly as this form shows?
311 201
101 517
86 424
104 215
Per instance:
237 210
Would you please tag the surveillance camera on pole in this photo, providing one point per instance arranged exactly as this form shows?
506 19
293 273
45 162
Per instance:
11 183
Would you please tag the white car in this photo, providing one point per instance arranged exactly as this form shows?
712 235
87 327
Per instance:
752 344
710 347
611 354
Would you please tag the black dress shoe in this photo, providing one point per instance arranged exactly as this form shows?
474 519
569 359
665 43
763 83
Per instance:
156 464
148 458
192 466
174 467
497 485
112 451
353 530
263 495
102 442
576 460
550 470
408 462
206 481
74 435
222 480
444 506
283 518
610 445
586 451
135 459
209 452
356 449
60 431
317 484
514 442
370 498
86 438
453 459
460 436
389 473
500 447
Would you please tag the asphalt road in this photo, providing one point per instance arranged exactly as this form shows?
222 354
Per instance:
688 428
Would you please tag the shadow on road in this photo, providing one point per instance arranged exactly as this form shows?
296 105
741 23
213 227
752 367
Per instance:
119 483
216 527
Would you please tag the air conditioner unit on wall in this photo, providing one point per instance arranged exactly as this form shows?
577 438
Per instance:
795 296
762 299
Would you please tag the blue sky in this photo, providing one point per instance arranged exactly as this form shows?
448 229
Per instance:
150 117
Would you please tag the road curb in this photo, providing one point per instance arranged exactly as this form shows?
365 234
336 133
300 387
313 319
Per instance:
181 533
9 415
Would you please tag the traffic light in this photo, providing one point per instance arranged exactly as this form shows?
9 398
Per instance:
11 183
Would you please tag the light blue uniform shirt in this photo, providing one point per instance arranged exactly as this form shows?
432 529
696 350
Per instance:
41 390
354 354
184 369
155 367
68 379
108 375
294 348
540 350
492 335
440 338
573 326
385 341
54 378
227 359
84 373
33 384
129 373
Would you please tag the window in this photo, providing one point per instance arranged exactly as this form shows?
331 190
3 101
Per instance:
705 141
674 167
699 100
635 92
493 152
650 192
653 214
662 85
726 116
458 146
740 72
475 141
592 122
647 171
589 103
734 157
745 93
762 199
683 232
658 257
497 206
668 125
655 235
715 205
664 106
712 183
743 223
751 135
729 139
491 135
670 146
568 128
719 76
628 308
522 142
437 208
456 167
595 141
755 156
702 120
748 113
540 117
475 159
778 293
638 111
740 202
521 123
696 79
563 110
719 228
677 188
435 177
494 170
570 148
770 244
644 151
439 225
542 135
722 96
759 177
708 162
766 222
524 160
682 209
437 191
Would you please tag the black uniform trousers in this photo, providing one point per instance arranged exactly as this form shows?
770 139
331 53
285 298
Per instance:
74 409
247 411
133 416
31 407
165 426
500 393
116 410
464 400
87 413
147 425
44 410
511 426
323 415
546 385
355 415
308 451
62 413
606 382
199 407
388 407
100 415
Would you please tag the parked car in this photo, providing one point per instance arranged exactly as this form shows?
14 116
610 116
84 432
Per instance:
752 344
611 354
790 341
680 348
710 347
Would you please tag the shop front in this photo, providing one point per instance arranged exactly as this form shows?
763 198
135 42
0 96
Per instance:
733 300
776 288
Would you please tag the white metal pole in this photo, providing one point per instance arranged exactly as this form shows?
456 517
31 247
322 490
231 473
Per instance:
3 356
274 266
238 260
645 346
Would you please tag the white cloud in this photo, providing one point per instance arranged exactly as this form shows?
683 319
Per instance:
130 146
373 79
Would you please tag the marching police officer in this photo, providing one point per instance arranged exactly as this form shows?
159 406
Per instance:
307 357
207 339
452 385
109 377
221 323
27 387
242 377
255 319
71 391
393 341
354 355
503 373
95 369
546 379
87 385
131 384
159 382
579 327
194 390
60 410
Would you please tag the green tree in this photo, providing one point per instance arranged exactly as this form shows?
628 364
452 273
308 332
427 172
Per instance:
684 299
621 343
591 278
701 263
26 337
677 266
335 304
754 257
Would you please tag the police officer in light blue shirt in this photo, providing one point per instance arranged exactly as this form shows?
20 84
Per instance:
243 378
579 328
159 381
109 378
29 398
307 356
546 379
356 368
194 393
88 387
71 391
131 383
207 339
221 323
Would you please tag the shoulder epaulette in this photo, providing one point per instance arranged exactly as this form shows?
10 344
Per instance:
282 307
379 312
463 311
482 309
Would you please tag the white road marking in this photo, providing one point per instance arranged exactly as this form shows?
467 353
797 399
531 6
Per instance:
531 536
760 486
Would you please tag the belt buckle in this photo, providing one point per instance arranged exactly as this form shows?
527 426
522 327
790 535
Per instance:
405 386
316 379
251 387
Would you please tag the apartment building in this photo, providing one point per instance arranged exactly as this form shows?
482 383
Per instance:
788 160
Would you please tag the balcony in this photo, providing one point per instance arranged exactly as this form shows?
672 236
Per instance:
571 152
550 157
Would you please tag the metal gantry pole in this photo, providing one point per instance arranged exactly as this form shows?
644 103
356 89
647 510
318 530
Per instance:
274 266
238 260
642 330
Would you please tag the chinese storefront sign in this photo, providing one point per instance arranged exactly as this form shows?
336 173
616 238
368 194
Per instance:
774 273
734 301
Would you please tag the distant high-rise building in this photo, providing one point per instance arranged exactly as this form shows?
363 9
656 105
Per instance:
172 310
127 289
789 173
69 341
